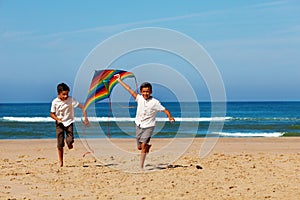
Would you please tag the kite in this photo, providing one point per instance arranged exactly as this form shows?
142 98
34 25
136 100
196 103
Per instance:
100 88
102 84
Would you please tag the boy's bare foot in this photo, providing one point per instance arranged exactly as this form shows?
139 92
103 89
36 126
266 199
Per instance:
70 146
139 147
61 164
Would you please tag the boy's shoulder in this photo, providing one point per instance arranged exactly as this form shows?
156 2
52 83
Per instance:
70 98
156 101
56 99
151 99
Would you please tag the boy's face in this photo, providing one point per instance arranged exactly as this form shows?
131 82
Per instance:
146 92
63 95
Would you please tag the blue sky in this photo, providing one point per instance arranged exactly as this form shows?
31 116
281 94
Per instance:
255 44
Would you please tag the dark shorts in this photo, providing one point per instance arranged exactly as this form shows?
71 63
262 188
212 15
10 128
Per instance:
60 135
143 135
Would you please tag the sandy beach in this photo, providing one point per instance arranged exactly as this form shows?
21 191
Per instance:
236 168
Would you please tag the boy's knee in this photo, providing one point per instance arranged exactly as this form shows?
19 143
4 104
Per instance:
69 139
143 146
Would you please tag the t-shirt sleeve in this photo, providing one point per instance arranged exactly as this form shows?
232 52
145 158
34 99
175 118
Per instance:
53 108
159 107
138 97
75 103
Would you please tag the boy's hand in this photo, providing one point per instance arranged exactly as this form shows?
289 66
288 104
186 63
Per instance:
86 122
171 119
117 76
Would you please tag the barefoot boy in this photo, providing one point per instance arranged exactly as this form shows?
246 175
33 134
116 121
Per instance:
147 108
62 111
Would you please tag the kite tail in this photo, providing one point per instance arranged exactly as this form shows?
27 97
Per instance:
108 117
136 85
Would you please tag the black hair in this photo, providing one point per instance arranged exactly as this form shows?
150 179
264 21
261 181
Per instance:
146 85
62 87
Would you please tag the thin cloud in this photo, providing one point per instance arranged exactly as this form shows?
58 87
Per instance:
14 34
269 4
117 27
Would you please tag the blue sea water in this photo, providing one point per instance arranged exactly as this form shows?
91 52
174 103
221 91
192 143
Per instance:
242 119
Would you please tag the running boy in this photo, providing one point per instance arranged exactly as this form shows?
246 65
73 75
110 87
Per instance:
147 108
62 111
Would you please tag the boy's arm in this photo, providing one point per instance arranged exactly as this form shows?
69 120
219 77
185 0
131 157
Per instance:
86 120
132 92
167 112
53 116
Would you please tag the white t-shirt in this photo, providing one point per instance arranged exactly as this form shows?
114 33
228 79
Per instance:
64 109
146 111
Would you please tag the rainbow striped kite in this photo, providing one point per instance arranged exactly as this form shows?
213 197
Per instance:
102 84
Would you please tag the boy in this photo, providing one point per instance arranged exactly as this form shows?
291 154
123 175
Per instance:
62 111
147 108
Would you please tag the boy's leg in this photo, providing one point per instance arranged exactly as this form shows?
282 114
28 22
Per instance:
143 155
60 156
144 150
139 132
60 142
139 146
145 147
69 136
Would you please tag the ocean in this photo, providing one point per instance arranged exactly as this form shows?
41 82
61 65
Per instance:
242 119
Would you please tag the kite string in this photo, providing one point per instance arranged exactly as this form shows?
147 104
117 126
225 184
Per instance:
110 109
90 150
